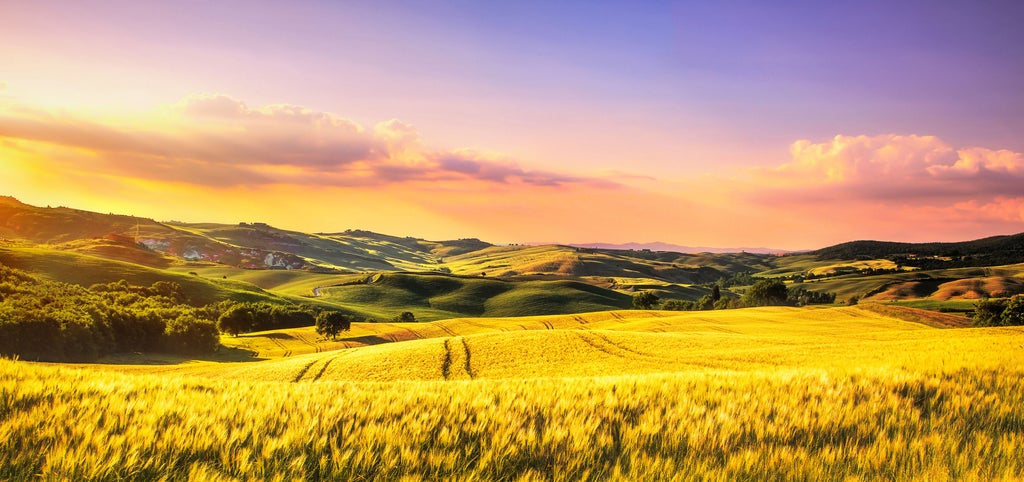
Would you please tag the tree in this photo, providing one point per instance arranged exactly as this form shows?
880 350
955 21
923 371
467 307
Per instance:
716 293
706 302
803 297
189 335
170 289
406 317
769 292
330 323
677 305
989 312
1013 315
236 319
644 300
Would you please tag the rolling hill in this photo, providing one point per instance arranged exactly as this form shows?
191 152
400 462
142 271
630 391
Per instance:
259 246
991 251
86 270
523 364
322 267
436 296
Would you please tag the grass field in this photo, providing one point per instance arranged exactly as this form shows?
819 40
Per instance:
756 394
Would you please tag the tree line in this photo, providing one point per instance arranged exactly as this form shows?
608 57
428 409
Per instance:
764 292
999 312
53 321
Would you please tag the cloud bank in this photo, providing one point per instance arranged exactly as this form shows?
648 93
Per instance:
219 141
296 164
899 171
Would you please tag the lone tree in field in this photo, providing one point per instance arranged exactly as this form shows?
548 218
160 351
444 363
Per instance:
645 300
330 323
406 317
767 292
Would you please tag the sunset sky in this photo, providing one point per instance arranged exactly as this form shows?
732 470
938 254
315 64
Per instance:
788 125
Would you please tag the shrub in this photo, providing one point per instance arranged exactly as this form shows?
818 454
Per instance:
989 312
678 305
706 302
406 317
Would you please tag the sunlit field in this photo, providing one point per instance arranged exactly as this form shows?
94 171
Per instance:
511 241
756 394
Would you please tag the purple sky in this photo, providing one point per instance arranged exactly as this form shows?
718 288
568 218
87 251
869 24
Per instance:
674 91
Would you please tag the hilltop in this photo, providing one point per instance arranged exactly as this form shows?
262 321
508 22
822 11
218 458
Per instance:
255 245
660 246
991 251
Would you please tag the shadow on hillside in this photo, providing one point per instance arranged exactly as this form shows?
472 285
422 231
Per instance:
366 340
232 354
277 336
223 355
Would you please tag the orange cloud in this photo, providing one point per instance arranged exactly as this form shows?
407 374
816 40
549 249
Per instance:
998 209
215 140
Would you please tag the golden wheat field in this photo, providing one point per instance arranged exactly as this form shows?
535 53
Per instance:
755 394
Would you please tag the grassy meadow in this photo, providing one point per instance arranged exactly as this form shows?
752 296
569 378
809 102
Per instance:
752 394
88 269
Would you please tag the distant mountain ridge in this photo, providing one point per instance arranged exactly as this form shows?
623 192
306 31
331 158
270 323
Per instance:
676 248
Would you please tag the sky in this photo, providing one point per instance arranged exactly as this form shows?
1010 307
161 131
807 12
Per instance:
789 125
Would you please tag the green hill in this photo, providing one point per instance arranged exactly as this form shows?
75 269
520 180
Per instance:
86 270
260 246
436 296
253 257
991 251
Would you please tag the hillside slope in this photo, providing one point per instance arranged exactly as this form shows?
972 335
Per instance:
608 343
435 296
991 251
318 262
86 270
260 246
